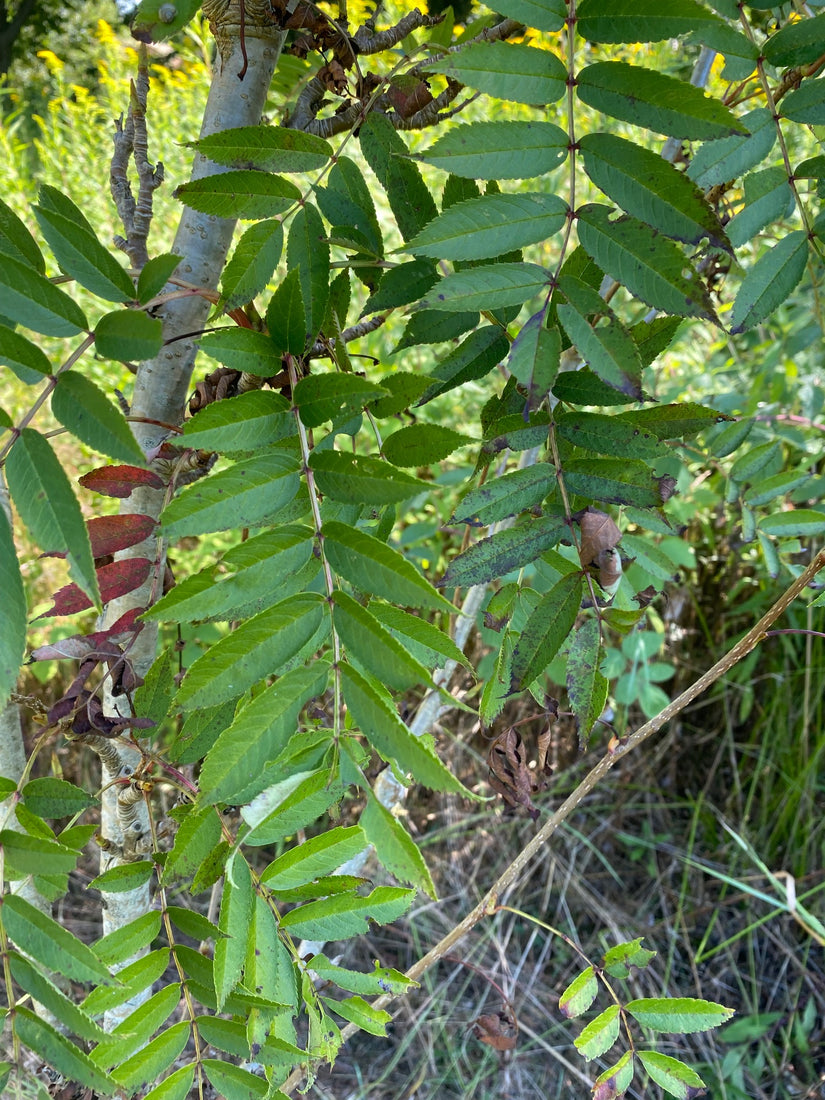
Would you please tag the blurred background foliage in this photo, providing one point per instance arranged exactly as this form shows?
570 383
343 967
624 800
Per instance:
650 853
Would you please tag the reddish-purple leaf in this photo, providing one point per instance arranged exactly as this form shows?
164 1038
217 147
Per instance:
103 642
115 580
119 481
108 534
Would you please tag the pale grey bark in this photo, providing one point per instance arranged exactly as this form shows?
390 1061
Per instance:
162 386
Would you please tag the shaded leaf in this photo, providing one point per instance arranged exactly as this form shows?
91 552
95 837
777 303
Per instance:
239 194
769 282
85 410
586 685
499 150
716 162
28 362
362 479
504 551
645 97
506 496
267 148
488 287
244 423
545 630
409 197
255 258
330 396
422 444
58 1051
243 349
507 71
36 303
12 612
608 348
258 648
307 251
286 317
650 266
47 505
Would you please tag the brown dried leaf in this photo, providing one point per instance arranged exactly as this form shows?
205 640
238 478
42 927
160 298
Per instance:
509 775
646 596
598 533
498 1030
609 566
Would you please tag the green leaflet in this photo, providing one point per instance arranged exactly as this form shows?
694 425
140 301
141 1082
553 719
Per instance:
584 387
422 444
769 282
609 349
490 226
409 197
651 189
473 358
727 159
504 552
654 101
340 918
546 628
153 28
244 349
806 103
239 194
650 266
27 361
488 287
308 250
153 1059
330 396
544 15
580 994
16 241
290 804
431 646
155 274
197 835
133 979
361 1013
383 979
22 851
244 423
267 148
143 1022
244 495
12 612
362 479
253 262
674 1076
535 356
82 408
286 316
499 150
609 435
50 797
117 946
128 334
599 1035
432 326
586 685
497 688
28 977
283 552
233 921
394 846
259 733
506 496
372 566
371 646
44 498
320 855
613 480
401 285
49 944
797 43
643 20
80 254
507 71
258 648
617 1078
36 304
799 523
678 1014
768 196
346 202
374 712
58 1051
679 421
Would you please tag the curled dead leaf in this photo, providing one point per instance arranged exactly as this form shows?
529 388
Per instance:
498 1030
598 534
509 774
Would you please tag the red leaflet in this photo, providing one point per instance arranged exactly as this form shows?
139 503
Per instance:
119 481
115 580
109 534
